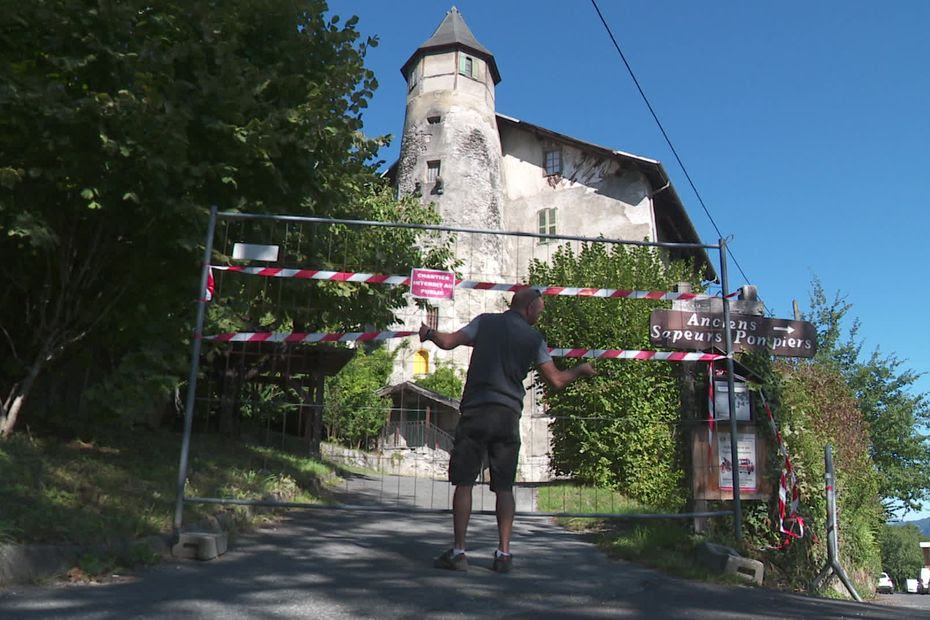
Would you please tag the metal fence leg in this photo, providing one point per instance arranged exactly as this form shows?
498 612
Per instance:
833 564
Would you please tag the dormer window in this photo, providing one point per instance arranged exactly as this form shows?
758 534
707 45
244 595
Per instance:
552 161
468 66
412 75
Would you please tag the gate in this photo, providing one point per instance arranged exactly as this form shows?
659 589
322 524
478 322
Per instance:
260 369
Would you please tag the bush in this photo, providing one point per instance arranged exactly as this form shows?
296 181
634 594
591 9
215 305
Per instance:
354 413
618 430
813 408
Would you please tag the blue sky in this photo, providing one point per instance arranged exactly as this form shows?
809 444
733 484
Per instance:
805 126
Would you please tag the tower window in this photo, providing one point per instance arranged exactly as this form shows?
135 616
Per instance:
553 162
432 171
432 318
468 66
421 362
433 120
412 76
546 223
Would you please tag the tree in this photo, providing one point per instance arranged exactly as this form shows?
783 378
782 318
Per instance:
121 123
444 380
901 555
619 429
354 413
884 392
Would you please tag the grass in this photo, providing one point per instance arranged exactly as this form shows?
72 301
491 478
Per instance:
105 491
79 492
664 544
566 497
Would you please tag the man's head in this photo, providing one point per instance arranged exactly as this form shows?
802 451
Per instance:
528 302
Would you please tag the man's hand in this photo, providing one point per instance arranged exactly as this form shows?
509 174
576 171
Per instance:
558 379
586 370
424 332
443 340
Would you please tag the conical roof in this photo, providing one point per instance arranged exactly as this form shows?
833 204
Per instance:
453 33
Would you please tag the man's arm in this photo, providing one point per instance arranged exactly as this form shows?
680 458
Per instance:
558 379
444 340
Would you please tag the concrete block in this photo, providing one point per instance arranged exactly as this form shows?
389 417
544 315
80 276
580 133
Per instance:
200 545
747 568
714 556
723 559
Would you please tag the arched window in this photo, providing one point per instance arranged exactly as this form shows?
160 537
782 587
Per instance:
421 362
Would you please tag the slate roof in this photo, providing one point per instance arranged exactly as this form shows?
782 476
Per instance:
453 33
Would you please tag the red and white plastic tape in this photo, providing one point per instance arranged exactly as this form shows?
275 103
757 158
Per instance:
308 336
374 278
294 337
621 354
787 485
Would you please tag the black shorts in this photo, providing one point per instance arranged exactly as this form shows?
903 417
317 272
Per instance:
493 430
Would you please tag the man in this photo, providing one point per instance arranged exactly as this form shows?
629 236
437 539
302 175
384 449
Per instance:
506 346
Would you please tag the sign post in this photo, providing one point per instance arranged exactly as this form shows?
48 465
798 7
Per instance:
728 343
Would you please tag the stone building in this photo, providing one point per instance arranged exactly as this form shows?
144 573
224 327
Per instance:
484 170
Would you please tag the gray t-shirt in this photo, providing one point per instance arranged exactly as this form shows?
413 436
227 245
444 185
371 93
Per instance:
506 347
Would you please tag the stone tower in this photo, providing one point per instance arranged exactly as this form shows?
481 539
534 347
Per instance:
450 156
450 151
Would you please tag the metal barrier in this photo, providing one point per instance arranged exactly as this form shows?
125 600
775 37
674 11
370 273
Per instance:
274 365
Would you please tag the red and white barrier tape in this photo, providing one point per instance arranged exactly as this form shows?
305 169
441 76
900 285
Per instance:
668 356
787 483
308 336
292 337
374 278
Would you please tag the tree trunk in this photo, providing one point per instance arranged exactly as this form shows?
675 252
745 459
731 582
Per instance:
18 395
317 409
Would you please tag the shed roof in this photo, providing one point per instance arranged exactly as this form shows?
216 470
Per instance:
399 388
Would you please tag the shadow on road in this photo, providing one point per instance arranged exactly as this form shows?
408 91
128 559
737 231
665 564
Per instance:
325 563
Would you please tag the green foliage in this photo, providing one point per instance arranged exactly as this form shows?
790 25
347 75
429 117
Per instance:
78 492
249 303
445 380
813 407
354 413
122 124
902 558
885 394
619 429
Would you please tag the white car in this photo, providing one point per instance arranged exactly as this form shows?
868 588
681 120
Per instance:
910 586
885 585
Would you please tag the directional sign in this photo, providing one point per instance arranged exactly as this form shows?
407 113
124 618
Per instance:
702 330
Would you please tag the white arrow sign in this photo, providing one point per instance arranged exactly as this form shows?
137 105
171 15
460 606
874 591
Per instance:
788 329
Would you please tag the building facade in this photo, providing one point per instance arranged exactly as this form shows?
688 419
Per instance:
484 170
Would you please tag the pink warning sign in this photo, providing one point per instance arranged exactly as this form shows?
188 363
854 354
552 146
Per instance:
431 284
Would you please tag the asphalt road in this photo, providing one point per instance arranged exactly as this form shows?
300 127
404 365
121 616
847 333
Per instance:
321 563
911 605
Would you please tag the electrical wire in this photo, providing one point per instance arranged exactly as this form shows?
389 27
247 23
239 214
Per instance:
668 140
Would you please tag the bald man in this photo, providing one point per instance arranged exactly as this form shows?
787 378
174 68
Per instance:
506 346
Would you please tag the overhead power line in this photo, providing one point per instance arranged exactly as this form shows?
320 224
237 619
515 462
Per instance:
667 139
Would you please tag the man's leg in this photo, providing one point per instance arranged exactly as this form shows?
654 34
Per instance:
505 507
461 513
